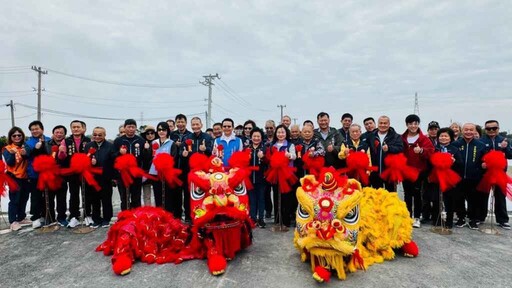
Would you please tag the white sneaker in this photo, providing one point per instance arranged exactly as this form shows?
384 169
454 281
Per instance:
15 226
417 223
37 223
73 223
88 221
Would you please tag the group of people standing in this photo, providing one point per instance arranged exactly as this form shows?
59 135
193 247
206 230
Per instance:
379 140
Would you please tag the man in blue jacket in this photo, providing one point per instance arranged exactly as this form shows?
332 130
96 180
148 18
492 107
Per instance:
36 145
471 150
494 141
230 143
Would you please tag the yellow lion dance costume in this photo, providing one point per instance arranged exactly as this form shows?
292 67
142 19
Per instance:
342 227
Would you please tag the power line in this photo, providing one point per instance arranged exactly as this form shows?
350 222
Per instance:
124 83
123 100
19 91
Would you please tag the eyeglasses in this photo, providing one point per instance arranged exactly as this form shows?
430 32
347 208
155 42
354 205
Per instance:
16 135
269 128
161 129
491 128
247 128
150 133
226 126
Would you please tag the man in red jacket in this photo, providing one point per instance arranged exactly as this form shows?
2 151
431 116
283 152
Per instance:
417 150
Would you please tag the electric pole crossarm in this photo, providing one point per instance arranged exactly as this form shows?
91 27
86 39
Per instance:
208 81
39 72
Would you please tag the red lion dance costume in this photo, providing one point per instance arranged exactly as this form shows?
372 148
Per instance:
221 225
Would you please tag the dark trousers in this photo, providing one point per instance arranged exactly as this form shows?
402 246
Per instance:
285 205
430 200
36 200
377 182
100 200
74 184
472 196
257 201
61 195
186 195
170 200
135 190
18 201
412 194
268 198
500 206
48 202
450 199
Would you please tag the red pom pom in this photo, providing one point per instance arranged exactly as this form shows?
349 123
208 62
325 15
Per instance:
164 165
280 172
397 169
122 265
410 249
49 177
127 166
321 274
441 172
6 179
81 165
313 164
495 174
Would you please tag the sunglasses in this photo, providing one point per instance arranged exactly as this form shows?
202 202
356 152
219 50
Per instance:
247 128
150 133
491 128
225 126
161 129
16 135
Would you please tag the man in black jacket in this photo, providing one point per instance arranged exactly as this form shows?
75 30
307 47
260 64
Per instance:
382 142
135 145
76 144
493 141
471 151
104 158
179 137
330 138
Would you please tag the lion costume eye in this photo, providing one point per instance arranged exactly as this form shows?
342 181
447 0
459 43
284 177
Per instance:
353 216
240 190
196 193
302 213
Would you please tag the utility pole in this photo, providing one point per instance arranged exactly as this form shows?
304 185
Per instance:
12 112
416 105
39 72
282 107
141 118
208 82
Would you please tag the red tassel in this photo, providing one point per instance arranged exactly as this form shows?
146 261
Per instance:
81 165
397 169
358 260
127 166
280 172
442 173
164 165
358 164
313 164
49 177
5 179
495 174
199 162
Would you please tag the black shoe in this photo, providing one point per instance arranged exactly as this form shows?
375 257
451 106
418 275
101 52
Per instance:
460 223
424 220
473 225
261 223
105 224
95 225
268 215
505 226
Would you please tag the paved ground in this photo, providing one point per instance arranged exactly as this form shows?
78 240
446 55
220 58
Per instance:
63 259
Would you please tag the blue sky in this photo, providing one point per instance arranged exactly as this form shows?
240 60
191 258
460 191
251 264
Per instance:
363 57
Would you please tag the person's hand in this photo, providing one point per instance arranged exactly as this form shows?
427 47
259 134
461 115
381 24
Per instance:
23 152
330 148
202 147
484 166
39 144
178 143
417 149
62 148
287 154
453 159
260 154
93 161
123 150
312 149
385 147
185 153
12 151
146 145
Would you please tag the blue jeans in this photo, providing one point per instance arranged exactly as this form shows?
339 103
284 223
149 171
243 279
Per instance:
18 201
257 201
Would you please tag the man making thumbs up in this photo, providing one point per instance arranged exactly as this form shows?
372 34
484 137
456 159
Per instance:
417 150
494 141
